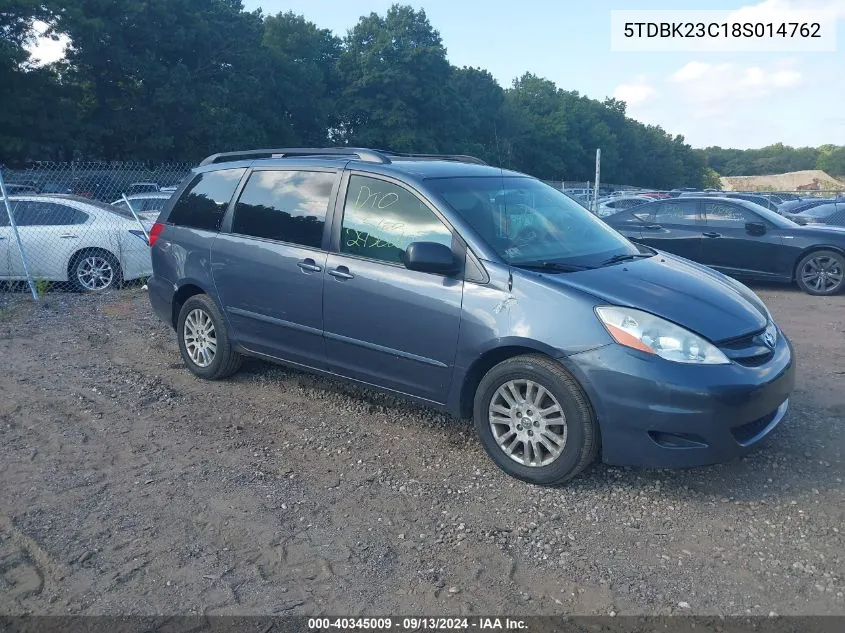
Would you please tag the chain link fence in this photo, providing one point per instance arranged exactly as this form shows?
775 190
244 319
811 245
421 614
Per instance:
80 226
83 226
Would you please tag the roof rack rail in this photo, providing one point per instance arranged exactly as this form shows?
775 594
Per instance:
458 158
367 155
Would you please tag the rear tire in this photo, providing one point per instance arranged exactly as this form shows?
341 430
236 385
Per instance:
203 340
535 421
821 273
94 270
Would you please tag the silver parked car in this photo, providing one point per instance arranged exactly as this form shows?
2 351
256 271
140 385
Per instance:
71 239
609 206
146 205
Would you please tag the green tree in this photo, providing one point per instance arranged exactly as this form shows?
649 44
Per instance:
164 78
395 80
832 160
37 117
477 122
298 93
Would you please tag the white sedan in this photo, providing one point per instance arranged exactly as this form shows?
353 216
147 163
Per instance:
89 244
616 204
146 205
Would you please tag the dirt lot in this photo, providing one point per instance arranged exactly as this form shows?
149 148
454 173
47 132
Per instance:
128 486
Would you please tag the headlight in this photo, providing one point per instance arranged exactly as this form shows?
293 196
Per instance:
650 334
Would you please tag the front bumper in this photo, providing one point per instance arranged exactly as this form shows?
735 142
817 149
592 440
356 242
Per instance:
658 414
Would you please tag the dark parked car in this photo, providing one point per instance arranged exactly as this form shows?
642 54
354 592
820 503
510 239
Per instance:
96 187
740 239
479 291
837 218
820 214
763 201
14 189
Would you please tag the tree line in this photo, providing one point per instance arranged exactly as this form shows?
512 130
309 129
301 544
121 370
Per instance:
176 80
776 159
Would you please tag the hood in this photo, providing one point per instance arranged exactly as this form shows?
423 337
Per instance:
825 231
689 294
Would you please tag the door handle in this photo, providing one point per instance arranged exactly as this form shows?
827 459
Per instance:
341 272
653 227
68 236
711 234
309 265
2 238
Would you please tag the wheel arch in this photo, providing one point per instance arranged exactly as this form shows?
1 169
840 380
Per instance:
814 249
79 252
471 378
186 290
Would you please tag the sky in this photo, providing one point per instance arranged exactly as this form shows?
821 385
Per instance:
730 99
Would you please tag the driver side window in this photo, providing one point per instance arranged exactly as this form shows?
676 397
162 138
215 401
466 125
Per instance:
380 220
727 215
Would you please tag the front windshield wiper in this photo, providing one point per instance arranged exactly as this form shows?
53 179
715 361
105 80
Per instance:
559 267
625 258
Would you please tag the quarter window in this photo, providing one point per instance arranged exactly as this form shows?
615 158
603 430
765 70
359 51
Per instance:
204 202
380 220
288 206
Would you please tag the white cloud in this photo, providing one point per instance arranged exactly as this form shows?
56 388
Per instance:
636 92
734 104
708 90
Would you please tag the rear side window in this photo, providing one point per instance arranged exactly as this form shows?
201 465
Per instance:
676 212
287 206
204 202
33 213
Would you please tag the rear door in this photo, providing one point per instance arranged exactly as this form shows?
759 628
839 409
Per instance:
385 324
673 225
50 234
732 248
268 262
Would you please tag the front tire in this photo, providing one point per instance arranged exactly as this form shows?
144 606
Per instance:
534 420
203 340
821 273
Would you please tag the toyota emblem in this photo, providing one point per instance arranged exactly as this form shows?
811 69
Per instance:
769 338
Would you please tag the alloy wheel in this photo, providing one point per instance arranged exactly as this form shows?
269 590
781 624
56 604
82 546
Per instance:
528 423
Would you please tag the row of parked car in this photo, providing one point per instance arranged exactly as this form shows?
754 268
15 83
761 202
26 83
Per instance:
804 211
743 235
94 187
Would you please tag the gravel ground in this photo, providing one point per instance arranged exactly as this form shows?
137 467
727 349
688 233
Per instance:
130 487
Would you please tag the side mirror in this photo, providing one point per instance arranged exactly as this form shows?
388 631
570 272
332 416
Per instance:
430 257
755 228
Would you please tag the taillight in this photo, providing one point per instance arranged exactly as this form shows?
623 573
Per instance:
155 231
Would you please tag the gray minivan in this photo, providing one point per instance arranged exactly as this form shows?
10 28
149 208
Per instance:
473 289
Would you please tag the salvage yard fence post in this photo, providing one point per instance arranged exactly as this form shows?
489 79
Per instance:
17 237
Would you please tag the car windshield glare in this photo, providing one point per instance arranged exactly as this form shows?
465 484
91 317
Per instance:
526 221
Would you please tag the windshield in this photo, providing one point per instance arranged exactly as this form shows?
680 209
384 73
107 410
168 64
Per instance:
527 222
775 218
821 211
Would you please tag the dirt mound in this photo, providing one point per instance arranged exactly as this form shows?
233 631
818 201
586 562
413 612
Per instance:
807 180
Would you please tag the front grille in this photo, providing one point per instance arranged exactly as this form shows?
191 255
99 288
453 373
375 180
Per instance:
746 433
749 350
